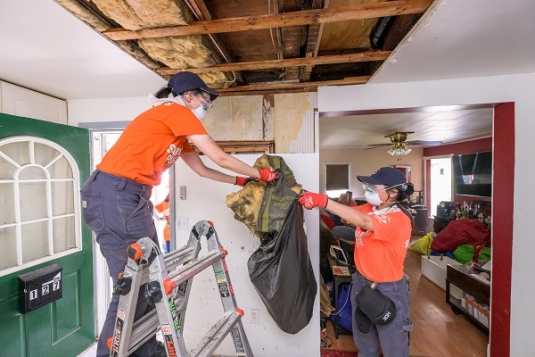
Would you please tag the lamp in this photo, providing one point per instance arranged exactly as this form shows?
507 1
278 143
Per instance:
399 149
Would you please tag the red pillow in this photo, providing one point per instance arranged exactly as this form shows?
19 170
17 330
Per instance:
461 231
327 220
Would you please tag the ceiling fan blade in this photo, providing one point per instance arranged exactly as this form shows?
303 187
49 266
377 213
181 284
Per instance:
379 145
423 143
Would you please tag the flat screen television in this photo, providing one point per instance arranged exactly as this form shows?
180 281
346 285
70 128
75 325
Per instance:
473 174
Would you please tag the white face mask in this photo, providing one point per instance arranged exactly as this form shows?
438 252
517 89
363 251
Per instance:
372 198
200 112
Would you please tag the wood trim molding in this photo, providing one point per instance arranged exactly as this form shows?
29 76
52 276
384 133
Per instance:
244 147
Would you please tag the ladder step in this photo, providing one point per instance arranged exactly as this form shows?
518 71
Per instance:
187 271
215 335
143 329
177 257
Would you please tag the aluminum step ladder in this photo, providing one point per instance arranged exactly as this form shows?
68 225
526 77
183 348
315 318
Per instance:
167 281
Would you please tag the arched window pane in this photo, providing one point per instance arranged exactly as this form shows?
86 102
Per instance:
62 201
7 204
8 249
33 201
65 237
34 241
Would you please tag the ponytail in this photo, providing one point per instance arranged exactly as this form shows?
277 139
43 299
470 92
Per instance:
163 92
402 200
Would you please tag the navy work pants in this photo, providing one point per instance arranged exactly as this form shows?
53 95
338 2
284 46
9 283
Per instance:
392 338
119 212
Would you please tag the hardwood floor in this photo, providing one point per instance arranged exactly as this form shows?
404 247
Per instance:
438 332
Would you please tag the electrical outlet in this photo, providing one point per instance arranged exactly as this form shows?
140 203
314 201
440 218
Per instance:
254 316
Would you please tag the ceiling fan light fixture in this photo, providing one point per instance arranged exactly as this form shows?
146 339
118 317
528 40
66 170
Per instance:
399 151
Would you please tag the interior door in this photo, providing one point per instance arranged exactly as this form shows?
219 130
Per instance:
42 166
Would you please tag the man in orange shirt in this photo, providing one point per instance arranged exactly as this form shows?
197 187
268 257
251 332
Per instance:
383 232
116 198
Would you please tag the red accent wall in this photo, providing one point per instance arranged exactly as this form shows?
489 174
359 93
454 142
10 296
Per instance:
502 228
502 218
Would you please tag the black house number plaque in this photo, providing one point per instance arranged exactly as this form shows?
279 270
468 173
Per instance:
40 287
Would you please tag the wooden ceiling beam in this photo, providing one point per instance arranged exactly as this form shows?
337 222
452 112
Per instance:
313 40
218 44
308 86
294 18
284 63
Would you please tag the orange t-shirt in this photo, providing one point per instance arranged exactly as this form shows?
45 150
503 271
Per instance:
152 143
380 254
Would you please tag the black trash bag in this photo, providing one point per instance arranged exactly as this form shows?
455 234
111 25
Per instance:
282 274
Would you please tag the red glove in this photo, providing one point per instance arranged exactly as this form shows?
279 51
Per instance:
310 200
267 175
241 181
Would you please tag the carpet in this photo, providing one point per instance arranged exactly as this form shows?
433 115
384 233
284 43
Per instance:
328 352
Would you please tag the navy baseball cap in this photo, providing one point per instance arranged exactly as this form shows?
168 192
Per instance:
186 81
388 176
379 309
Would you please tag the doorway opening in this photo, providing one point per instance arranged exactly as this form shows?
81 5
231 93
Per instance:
503 175
101 143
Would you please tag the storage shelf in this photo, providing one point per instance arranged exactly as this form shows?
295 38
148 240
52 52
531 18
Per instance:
459 276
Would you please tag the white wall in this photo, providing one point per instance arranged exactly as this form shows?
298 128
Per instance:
206 201
27 103
106 109
514 88
366 162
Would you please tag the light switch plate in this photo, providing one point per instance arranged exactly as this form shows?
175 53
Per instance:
182 223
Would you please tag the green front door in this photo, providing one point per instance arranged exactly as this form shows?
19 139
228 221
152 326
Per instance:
42 166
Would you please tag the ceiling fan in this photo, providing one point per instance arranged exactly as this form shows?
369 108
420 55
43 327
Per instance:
399 142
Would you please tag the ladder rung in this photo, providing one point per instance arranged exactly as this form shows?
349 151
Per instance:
215 335
178 256
171 261
141 331
189 270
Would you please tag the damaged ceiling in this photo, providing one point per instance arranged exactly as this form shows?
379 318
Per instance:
247 47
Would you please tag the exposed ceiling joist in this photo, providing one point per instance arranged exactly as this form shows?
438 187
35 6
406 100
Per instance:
289 19
253 46
284 63
308 86
313 40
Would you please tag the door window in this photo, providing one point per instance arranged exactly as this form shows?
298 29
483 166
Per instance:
39 218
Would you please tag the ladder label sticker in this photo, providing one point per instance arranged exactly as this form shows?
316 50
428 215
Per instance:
117 335
166 330
223 287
